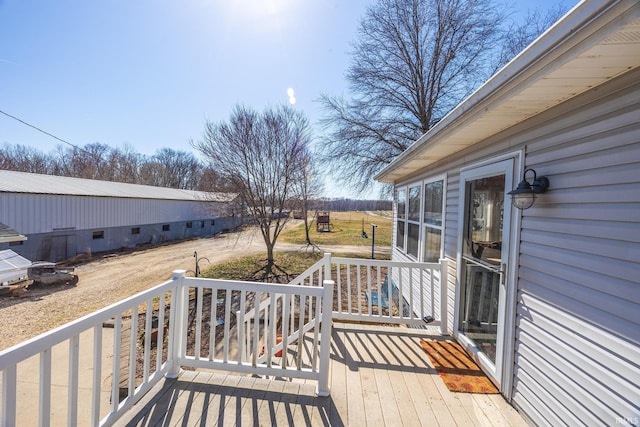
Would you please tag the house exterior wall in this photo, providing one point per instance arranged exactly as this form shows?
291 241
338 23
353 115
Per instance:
577 328
61 226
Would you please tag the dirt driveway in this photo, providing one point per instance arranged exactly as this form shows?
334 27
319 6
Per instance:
115 277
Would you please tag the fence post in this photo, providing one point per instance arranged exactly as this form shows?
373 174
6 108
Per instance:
327 266
325 338
9 400
176 324
444 285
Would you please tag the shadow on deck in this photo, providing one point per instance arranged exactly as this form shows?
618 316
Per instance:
379 376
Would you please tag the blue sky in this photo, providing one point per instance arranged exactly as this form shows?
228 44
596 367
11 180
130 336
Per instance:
148 73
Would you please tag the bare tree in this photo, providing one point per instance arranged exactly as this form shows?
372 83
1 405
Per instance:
171 168
122 165
520 34
260 154
23 159
307 186
414 60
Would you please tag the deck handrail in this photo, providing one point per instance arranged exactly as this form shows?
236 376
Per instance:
43 344
420 298
173 297
251 341
307 304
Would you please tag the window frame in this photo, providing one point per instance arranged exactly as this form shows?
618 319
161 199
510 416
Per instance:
401 218
433 225
410 219
414 200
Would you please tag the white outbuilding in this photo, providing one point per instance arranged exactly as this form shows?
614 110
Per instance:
62 217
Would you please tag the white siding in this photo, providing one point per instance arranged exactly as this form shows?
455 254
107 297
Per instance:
578 315
452 216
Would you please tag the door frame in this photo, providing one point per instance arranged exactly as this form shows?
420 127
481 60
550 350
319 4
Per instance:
512 162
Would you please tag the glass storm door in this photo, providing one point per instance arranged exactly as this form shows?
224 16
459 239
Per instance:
484 255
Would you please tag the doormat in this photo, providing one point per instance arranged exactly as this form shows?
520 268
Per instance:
459 372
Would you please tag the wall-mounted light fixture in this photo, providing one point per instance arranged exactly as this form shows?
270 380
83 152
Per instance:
524 196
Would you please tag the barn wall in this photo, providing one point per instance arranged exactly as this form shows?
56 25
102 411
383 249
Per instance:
43 213
59 227
63 244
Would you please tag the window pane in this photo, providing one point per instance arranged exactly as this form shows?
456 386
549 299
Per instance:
400 235
432 244
414 204
483 218
412 239
402 203
433 203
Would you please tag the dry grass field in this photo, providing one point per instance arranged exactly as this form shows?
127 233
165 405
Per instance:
346 229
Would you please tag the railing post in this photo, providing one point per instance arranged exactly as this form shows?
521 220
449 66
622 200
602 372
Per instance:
176 324
327 266
325 338
9 401
444 285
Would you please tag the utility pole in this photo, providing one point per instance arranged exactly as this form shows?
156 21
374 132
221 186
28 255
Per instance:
373 240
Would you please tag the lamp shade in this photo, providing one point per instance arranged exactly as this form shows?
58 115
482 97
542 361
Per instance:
523 196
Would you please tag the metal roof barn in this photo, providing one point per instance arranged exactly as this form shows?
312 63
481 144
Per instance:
63 216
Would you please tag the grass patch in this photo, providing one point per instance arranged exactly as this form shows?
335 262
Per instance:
294 263
346 230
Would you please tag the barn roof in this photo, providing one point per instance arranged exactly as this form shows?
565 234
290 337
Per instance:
593 43
8 234
22 182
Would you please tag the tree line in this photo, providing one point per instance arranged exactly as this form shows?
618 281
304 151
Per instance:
166 168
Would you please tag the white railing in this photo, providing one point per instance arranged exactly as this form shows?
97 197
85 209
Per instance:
246 327
238 343
54 359
383 291
393 292
155 333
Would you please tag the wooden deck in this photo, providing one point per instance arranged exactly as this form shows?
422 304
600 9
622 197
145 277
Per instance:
380 376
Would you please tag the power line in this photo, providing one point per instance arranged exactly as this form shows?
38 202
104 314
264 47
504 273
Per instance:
43 131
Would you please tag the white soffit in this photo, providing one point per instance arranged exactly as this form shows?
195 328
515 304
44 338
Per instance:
589 46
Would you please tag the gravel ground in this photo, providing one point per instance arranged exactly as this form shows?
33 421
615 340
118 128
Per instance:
112 278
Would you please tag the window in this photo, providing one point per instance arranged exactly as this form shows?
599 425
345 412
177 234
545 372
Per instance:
201 224
166 227
18 243
189 224
432 219
401 205
420 219
413 223
98 235
135 230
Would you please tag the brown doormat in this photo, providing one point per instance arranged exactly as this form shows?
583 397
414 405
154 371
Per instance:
457 370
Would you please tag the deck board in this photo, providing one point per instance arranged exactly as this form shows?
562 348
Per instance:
379 376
